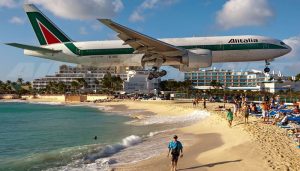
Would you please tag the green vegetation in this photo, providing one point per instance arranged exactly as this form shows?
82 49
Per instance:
216 84
110 83
17 87
180 86
298 77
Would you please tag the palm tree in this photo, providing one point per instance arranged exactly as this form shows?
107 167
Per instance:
2 87
97 83
215 84
28 83
50 87
297 77
82 83
117 83
111 83
74 86
20 81
61 87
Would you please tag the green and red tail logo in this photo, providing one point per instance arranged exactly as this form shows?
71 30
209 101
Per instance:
46 31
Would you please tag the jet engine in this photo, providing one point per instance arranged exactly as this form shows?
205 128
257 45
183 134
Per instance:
197 58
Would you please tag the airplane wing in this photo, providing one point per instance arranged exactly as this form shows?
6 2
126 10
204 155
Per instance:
142 43
33 48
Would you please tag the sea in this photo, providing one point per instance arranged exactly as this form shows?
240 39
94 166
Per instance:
54 136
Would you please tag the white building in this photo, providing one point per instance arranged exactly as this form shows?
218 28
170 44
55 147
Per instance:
231 80
134 81
68 74
286 86
137 82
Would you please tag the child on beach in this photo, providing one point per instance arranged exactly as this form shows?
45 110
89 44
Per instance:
229 117
175 147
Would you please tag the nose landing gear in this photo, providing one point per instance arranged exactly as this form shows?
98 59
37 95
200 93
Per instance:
267 69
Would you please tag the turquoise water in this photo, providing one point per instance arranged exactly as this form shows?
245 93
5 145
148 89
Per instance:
38 136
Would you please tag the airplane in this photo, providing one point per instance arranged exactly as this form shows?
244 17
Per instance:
137 49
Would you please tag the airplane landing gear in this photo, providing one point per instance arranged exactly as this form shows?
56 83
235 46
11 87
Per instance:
267 69
155 73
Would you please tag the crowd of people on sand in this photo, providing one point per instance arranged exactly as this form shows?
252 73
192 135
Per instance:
272 111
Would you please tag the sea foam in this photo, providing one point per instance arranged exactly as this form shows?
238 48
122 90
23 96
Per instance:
194 116
99 160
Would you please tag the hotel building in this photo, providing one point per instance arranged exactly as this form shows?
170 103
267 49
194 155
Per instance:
134 81
229 79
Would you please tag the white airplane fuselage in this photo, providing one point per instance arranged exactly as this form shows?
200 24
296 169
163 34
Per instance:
114 53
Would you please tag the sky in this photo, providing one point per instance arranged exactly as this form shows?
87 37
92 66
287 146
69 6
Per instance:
156 18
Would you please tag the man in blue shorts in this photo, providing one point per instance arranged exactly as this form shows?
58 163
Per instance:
175 147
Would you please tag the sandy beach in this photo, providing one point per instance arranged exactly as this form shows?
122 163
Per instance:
209 144
215 146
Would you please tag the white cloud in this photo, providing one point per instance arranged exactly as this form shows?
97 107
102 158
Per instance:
9 3
138 13
136 16
17 20
239 13
96 26
79 9
83 31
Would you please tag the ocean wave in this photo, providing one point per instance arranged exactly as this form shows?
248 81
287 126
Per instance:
98 160
151 134
194 116
103 108
131 149
31 102
112 149
46 103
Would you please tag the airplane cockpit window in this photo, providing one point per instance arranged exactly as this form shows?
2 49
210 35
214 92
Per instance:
282 43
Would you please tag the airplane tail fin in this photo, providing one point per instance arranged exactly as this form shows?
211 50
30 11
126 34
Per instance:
46 31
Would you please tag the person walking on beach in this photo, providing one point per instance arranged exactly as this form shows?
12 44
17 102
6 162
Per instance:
176 149
194 103
265 112
229 117
246 111
235 108
204 103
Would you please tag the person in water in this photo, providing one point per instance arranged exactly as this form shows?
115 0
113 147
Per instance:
229 117
176 149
